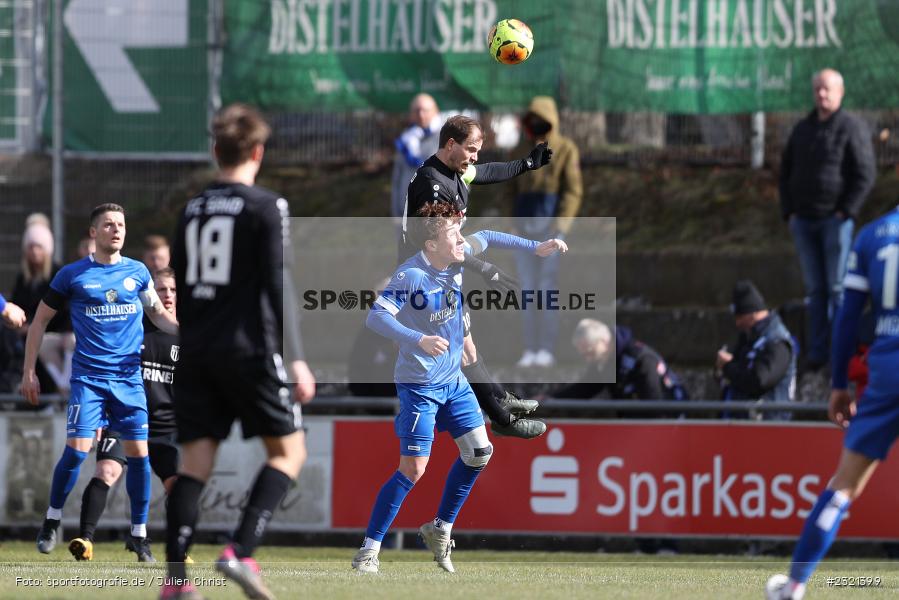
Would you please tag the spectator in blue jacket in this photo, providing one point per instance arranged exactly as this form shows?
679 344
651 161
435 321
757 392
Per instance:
413 147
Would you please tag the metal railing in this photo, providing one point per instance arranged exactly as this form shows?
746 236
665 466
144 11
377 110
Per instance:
633 139
550 407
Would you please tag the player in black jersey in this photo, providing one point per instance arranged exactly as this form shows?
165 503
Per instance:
159 353
446 176
234 302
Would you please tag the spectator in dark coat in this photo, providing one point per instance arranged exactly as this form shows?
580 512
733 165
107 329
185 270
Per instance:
826 172
640 372
762 364
32 283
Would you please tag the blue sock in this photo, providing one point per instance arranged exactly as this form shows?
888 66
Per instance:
65 475
137 482
387 504
458 485
818 534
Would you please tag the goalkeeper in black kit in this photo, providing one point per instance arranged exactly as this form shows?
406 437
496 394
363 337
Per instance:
446 176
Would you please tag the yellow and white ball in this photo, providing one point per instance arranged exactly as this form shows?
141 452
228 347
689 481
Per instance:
510 42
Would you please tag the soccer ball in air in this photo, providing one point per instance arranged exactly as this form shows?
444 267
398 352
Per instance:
510 42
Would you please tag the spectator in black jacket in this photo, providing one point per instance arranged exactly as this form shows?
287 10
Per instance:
32 284
640 373
11 349
762 364
826 172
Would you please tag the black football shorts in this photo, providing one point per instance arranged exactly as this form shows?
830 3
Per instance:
211 394
163 455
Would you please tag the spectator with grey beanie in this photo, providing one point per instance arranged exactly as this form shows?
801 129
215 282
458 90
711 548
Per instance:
762 364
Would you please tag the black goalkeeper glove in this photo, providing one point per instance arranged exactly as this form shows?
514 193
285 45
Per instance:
539 157
495 277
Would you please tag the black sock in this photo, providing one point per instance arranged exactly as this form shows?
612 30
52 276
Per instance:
480 372
181 520
93 503
268 491
488 392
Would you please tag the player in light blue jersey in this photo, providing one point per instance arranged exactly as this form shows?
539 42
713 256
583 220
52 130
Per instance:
871 424
421 310
108 294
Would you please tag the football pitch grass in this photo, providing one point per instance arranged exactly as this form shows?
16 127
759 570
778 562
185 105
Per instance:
326 573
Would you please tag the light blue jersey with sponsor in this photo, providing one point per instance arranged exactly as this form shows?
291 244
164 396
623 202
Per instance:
424 301
873 268
107 315
420 301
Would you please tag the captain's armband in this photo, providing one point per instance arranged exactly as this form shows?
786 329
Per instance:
150 299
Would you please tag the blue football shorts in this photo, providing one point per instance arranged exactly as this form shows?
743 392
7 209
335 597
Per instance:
452 407
875 425
122 401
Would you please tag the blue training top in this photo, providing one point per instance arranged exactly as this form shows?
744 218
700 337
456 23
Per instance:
420 301
107 315
872 270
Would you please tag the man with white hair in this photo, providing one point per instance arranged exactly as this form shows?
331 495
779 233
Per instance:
640 371
827 170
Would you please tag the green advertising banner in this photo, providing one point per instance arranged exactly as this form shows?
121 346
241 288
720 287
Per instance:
683 56
351 54
730 56
8 83
135 77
